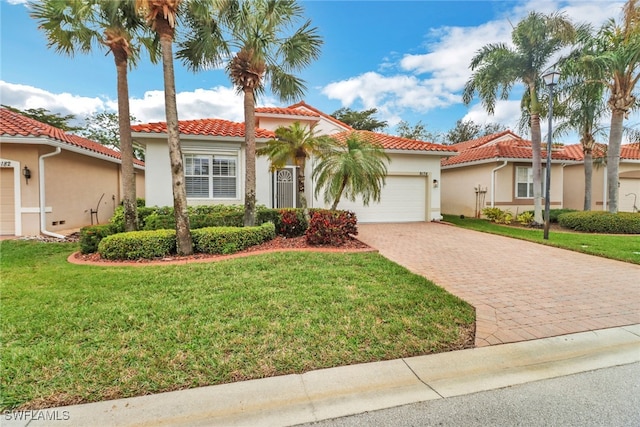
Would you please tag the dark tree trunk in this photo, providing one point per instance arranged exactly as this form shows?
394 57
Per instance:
183 234
126 142
250 158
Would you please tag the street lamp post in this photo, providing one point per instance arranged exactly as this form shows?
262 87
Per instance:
550 79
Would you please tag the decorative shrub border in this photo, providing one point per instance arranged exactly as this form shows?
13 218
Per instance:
601 222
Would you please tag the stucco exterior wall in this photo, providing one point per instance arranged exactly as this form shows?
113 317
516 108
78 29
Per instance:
74 184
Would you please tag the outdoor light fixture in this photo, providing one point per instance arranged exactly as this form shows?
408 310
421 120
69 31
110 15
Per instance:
27 174
435 183
551 80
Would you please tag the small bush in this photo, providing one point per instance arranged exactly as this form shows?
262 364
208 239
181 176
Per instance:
227 240
553 213
331 227
291 223
525 218
138 244
601 222
497 215
91 236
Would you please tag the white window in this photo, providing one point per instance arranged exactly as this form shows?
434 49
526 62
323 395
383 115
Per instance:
524 182
211 176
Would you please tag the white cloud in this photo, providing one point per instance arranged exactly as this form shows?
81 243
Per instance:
218 102
506 113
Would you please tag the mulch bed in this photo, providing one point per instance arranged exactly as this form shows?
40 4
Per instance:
278 244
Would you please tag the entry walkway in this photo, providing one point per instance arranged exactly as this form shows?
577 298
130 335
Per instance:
521 290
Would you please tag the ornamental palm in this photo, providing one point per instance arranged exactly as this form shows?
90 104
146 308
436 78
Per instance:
497 67
295 144
353 167
162 16
614 56
72 26
266 51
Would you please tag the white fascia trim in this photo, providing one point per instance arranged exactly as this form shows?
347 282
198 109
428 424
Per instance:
502 159
289 116
65 146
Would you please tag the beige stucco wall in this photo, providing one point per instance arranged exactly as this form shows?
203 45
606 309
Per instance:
459 188
73 185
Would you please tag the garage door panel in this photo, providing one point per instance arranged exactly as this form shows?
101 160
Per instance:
403 199
7 202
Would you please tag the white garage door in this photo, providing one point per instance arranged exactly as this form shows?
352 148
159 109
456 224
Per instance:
403 199
629 194
7 203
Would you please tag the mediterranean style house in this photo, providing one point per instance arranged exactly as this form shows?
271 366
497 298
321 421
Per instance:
52 181
496 171
213 152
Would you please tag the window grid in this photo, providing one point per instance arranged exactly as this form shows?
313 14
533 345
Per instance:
210 177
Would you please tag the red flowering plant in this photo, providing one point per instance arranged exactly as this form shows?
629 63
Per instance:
331 227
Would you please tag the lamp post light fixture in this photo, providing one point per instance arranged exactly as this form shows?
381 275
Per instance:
550 79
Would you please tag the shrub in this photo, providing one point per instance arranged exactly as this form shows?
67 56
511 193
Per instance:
601 222
525 218
554 213
291 223
227 240
331 227
91 236
497 215
138 244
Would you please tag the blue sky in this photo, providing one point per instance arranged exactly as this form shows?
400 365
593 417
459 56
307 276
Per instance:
408 59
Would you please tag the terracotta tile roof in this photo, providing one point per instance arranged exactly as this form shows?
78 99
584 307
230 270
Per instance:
206 127
474 143
286 111
15 124
304 105
390 142
510 149
627 151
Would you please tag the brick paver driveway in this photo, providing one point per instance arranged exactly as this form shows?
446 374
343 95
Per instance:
520 290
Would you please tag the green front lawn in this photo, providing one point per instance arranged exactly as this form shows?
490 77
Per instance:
73 333
621 247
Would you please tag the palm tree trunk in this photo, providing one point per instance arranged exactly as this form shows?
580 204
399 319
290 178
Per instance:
183 235
536 146
588 178
301 196
126 142
250 158
613 158
339 195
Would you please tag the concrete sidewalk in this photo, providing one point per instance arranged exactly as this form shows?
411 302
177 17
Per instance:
348 390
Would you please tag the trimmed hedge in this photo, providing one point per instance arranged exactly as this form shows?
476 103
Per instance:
331 227
151 244
227 240
90 236
601 222
554 213
138 244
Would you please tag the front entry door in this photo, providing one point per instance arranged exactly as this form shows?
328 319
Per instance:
284 187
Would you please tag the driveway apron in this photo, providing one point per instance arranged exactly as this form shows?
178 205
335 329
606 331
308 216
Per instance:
520 290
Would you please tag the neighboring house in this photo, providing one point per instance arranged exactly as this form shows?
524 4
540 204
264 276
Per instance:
496 171
213 152
629 179
52 181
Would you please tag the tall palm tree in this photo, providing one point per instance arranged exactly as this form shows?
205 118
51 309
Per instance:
614 55
497 67
267 50
351 167
72 26
295 144
584 107
162 16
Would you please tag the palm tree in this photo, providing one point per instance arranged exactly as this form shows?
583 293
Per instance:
614 55
267 50
351 167
79 26
295 144
583 108
497 67
162 16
